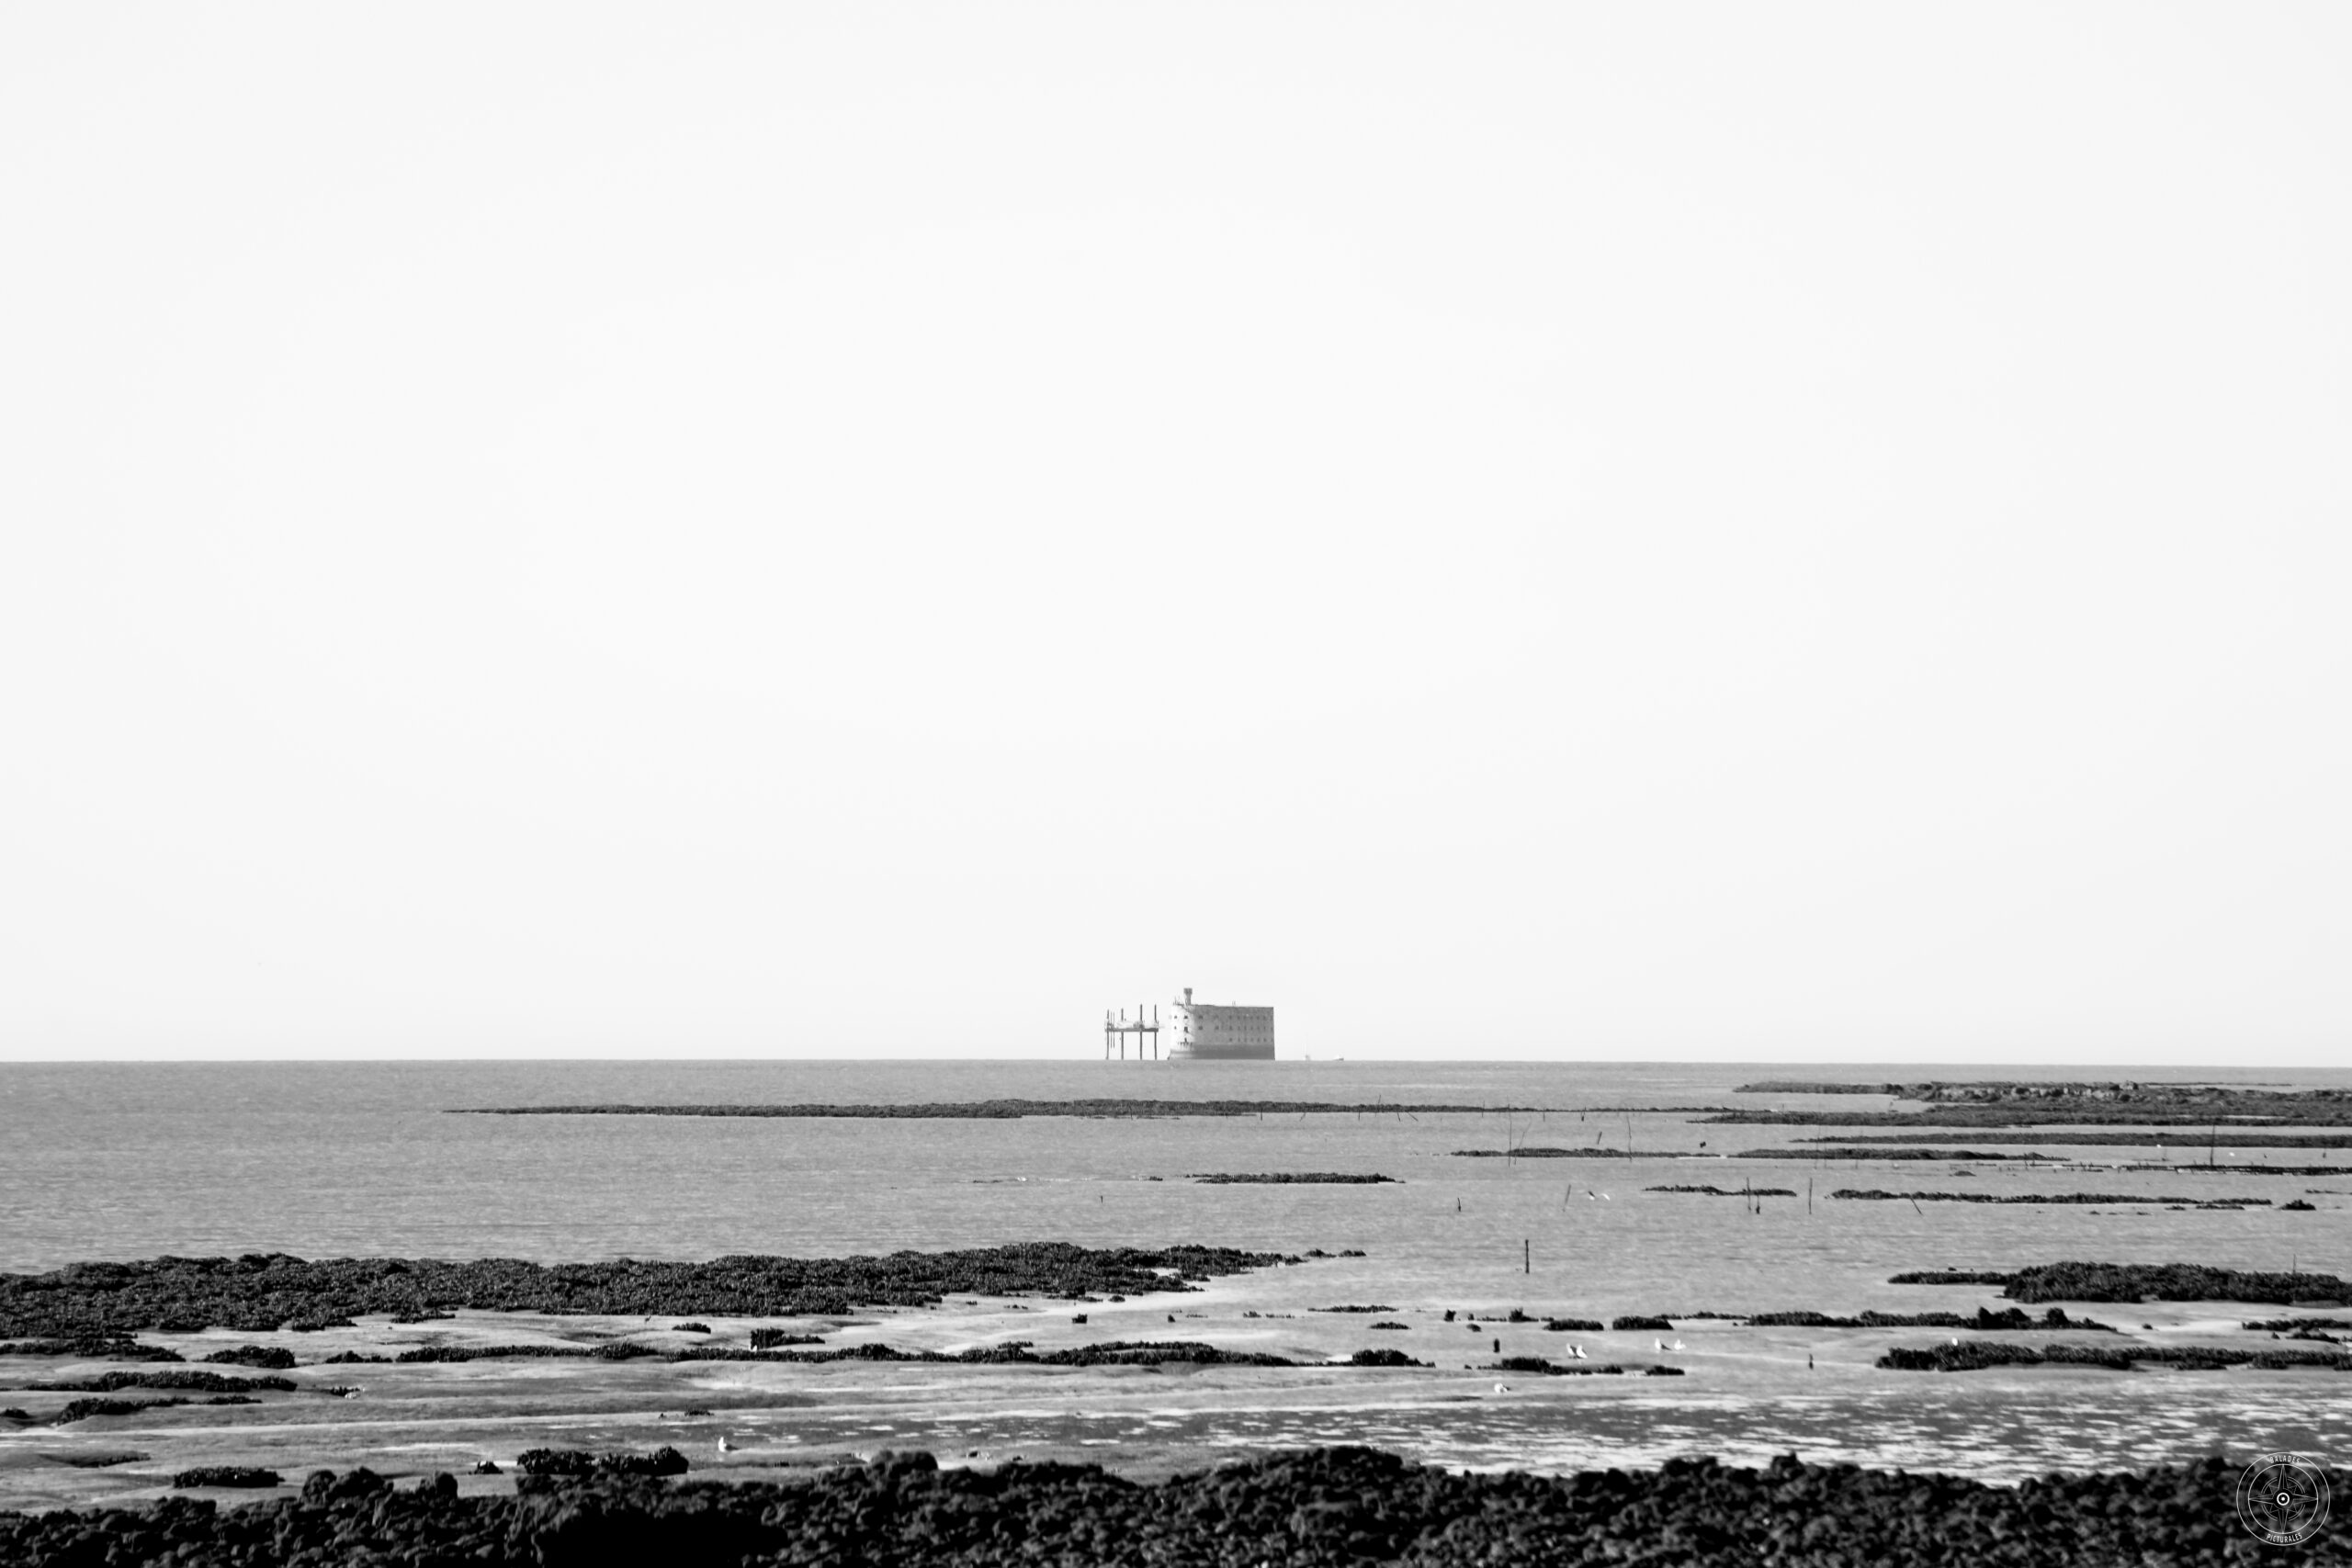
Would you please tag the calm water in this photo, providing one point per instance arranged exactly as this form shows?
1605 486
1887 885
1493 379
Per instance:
134 1160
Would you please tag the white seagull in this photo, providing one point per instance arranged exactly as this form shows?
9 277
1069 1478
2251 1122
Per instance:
1660 1344
724 1446
1577 1352
1678 1344
1502 1388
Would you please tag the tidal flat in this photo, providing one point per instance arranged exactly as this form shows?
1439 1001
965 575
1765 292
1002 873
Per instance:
1779 1317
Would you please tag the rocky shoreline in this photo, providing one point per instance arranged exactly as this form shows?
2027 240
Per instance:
1305 1508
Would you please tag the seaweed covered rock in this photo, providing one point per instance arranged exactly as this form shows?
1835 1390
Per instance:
99 1302
83 1409
87 1347
2173 1283
188 1380
1536 1365
2122 1357
243 1475
1291 1178
275 1357
579 1462
2078 1200
1984 1321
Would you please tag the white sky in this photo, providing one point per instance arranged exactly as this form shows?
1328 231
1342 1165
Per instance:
1609 530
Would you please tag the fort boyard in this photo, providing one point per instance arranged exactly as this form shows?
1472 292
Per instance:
1204 1032
1217 1031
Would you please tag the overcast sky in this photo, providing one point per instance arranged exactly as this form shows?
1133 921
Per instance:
1607 531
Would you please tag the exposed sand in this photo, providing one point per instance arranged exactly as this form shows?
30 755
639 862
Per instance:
418 1418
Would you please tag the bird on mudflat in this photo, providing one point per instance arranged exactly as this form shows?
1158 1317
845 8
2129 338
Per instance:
724 1446
1502 1388
1660 1344
1678 1344
1577 1352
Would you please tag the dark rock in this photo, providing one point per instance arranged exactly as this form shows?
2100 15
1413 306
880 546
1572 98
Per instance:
85 1308
226 1475
325 1486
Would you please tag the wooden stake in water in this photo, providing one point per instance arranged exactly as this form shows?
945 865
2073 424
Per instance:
1527 1258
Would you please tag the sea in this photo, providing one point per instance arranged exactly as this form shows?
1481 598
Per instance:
121 1161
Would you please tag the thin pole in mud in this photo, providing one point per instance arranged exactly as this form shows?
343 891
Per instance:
1527 1258
1808 1194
